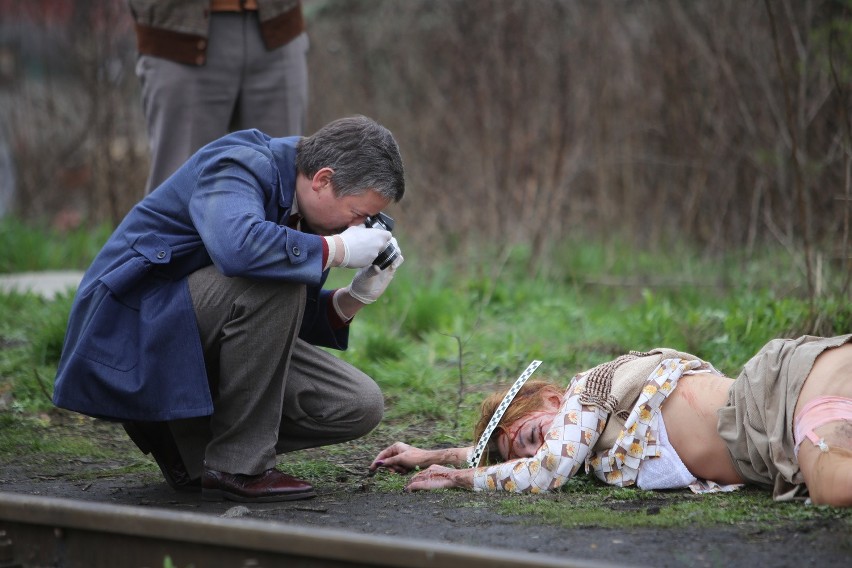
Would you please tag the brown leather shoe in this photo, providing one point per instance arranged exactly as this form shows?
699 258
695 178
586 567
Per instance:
271 485
156 439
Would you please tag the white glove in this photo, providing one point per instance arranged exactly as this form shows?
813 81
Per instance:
370 282
362 245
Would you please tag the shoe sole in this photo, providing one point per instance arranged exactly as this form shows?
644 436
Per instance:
219 495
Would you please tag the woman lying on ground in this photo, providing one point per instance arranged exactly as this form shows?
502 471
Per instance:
665 420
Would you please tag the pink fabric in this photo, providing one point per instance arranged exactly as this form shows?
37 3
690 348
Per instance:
819 411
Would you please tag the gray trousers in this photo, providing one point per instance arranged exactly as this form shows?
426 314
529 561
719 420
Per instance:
241 85
272 392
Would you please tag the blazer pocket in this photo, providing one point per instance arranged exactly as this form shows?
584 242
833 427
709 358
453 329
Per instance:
111 336
125 278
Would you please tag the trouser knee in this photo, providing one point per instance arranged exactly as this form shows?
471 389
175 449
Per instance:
370 412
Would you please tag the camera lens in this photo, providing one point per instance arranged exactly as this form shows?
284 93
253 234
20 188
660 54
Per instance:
386 257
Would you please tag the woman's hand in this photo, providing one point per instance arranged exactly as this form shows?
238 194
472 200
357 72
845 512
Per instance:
402 458
440 477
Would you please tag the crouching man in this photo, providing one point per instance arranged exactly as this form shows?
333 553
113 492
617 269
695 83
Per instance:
198 323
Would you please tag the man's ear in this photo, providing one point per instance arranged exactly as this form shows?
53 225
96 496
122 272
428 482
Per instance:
321 179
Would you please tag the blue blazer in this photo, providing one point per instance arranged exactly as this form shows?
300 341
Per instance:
132 349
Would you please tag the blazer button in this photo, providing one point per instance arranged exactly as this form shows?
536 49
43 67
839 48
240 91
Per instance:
296 251
161 254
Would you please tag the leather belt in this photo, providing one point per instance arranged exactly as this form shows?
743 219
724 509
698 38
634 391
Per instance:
233 5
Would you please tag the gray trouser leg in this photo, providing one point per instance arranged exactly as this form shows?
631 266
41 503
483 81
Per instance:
272 392
326 401
247 329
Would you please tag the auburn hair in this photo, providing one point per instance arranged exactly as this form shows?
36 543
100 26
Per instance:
530 398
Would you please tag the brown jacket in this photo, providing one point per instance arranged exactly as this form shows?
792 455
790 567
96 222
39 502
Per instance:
178 29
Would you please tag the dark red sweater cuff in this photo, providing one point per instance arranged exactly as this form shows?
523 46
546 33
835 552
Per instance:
334 318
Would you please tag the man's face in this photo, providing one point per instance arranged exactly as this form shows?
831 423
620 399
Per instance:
328 214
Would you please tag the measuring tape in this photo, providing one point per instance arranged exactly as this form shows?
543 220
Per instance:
498 414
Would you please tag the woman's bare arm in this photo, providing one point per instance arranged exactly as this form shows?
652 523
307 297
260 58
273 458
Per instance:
440 477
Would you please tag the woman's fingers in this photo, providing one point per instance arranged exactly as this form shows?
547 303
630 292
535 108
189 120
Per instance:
391 458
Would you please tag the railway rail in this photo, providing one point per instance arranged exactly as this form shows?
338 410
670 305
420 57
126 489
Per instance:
39 532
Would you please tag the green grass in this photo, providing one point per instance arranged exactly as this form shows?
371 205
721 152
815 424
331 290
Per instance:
37 247
586 503
34 436
440 338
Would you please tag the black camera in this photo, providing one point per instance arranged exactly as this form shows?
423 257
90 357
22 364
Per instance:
387 256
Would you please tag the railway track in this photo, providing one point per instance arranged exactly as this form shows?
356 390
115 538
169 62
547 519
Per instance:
40 532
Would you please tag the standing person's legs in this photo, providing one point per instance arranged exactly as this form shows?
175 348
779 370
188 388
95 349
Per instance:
274 94
248 329
187 106
326 401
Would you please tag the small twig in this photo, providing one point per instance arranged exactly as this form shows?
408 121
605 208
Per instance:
356 472
461 381
42 386
847 130
804 213
482 305
311 509
846 214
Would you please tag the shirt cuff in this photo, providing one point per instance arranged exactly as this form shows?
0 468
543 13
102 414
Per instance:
336 317
325 253
480 480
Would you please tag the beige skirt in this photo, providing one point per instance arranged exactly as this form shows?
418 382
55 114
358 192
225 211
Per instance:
757 423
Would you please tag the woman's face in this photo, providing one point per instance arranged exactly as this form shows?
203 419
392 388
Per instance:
523 437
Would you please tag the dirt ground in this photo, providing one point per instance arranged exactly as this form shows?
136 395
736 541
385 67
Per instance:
353 502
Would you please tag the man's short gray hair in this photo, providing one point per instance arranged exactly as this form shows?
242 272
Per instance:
362 153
